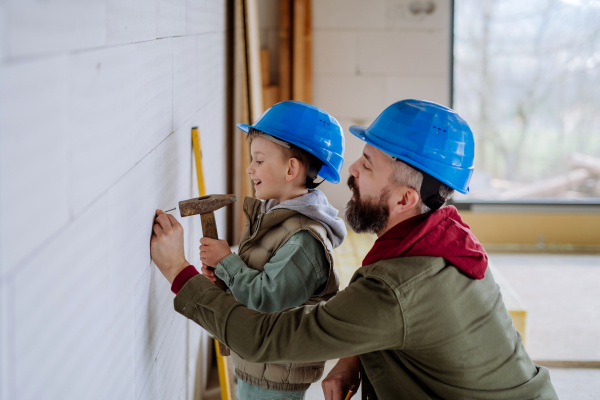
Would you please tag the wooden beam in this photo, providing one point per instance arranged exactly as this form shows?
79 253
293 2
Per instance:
308 84
253 62
299 50
264 66
285 50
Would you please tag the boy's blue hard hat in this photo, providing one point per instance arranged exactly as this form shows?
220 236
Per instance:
309 128
426 135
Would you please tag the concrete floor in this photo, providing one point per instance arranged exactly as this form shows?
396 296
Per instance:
562 296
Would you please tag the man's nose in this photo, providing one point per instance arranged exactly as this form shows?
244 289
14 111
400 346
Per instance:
353 170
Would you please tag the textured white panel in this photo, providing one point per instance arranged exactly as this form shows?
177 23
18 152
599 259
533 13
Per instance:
172 361
148 24
215 15
185 99
195 17
149 390
211 67
350 96
153 317
170 18
404 52
434 88
7 338
214 157
132 206
102 116
39 27
124 21
199 358
173 169
335 52
399 15
4 24
154 96
131 21
348 14
34 193
61 319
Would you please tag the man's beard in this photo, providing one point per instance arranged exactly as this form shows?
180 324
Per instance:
367 215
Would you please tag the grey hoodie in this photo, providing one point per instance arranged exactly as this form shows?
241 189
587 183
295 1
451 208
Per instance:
315 206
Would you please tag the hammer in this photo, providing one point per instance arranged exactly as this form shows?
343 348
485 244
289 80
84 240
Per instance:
205 206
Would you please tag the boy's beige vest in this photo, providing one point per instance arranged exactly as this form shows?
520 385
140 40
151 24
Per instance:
263 235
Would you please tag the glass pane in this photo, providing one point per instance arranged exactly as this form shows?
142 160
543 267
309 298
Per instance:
527 80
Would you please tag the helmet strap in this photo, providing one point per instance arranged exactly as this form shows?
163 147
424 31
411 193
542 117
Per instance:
430 192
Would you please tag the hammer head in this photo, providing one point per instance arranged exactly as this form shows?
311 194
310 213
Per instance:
204 204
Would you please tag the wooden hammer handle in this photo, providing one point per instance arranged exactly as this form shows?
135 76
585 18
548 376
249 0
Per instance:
209 230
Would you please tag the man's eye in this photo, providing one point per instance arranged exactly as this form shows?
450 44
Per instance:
365 166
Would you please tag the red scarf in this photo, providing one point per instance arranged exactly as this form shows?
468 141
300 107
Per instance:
439 234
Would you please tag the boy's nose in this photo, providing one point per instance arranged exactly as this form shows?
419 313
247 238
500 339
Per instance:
248 170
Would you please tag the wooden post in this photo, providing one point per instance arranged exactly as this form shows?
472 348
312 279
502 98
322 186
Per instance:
285 50
299 51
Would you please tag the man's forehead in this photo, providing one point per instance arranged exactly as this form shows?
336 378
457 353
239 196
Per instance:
373 154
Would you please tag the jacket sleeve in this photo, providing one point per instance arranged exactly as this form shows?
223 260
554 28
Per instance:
290 277
364 317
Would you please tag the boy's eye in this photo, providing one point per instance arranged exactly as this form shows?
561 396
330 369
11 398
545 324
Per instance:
259 162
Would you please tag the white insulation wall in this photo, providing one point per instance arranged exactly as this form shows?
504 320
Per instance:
370 54
97 101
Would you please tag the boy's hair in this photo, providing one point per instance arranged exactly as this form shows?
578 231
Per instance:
305 158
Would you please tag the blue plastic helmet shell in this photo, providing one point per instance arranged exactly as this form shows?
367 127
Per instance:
309 128
427 135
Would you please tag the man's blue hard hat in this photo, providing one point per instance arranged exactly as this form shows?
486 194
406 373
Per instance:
309 128
426 135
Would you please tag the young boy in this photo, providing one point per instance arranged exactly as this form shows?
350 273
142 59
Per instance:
285 257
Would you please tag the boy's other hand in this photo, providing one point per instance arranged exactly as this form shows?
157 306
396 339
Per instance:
212 251
342 377
166 245
209 272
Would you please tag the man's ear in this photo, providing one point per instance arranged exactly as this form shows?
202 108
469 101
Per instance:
293 169
405 199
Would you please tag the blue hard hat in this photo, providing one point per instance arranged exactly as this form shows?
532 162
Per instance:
309 128
426 135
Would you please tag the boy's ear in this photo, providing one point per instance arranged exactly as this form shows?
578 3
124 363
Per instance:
293 169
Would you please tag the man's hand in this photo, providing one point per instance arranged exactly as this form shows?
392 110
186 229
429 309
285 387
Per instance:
166 245
212 251
344 375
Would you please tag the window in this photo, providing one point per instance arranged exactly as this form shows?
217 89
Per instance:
527 80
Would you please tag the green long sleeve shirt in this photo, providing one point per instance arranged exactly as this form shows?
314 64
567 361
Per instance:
422 329
289 279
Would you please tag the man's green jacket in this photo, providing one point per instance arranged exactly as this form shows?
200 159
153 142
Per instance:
422 328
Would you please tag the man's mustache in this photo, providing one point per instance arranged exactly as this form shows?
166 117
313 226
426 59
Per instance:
352 185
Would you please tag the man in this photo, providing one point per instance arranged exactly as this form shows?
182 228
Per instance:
422 318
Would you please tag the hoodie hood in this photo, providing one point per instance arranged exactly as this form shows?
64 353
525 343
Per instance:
315 206
439 234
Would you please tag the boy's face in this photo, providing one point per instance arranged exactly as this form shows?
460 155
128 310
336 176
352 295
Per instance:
268 168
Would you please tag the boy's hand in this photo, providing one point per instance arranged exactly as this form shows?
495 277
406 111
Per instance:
166 245
212 251
344 375
209 272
